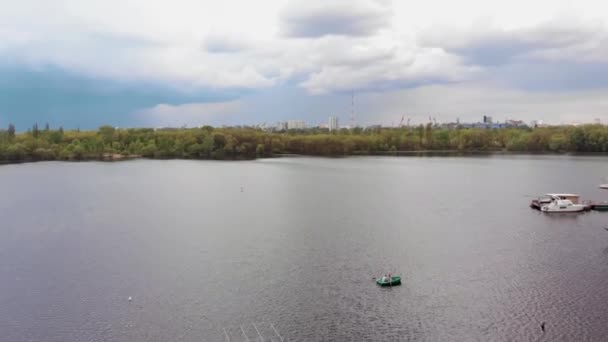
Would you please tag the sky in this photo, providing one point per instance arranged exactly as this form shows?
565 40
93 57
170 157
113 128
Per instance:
147 63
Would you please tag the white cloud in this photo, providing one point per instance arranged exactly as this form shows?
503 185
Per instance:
324 47
75 37
191 114
178 43
403 69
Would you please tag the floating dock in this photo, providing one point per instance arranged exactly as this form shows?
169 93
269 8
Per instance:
597 206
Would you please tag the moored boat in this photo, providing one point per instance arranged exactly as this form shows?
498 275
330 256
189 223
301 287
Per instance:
389 281
539 202
571 202
564 204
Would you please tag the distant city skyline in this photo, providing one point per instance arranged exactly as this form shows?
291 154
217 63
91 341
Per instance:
332 123
153 63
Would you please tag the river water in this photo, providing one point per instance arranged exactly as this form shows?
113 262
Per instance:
286 249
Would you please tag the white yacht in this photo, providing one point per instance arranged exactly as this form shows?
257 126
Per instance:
541 201
563 203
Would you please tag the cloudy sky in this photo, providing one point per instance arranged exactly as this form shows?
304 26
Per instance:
84 63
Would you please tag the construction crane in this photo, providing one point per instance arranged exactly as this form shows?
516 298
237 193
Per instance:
401 122
352 110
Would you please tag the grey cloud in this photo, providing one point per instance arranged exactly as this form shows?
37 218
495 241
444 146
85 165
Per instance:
488 47
225 44
551 57
493 51
372 79
552 76
66 98
311 19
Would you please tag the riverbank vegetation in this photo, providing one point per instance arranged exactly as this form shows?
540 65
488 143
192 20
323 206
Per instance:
249 143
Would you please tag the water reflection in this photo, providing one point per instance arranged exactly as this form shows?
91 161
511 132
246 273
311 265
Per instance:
563 216
298 248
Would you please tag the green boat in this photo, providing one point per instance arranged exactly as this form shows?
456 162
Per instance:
386 281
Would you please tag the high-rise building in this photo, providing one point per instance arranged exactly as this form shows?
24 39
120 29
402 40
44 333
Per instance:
487 119
296 124
281 126
333 123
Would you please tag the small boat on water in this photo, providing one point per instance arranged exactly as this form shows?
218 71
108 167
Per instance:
550 201
389 281
604 186
563 204
542 201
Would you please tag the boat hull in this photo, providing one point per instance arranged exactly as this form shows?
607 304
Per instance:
396 281
576 209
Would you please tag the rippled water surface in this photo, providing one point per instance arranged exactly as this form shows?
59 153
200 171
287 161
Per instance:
216 251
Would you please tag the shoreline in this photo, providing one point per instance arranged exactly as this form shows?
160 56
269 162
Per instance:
426 153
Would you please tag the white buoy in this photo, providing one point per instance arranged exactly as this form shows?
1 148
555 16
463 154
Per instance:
130 299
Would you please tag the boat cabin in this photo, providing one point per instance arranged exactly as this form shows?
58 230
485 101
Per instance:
575 199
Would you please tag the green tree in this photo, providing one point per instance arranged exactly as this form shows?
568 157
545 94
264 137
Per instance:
207 145
56 137
195 150
107 133
149 151
11 131
259 150
428 135
44 154
578 139
35 131
558 143
219 141
420 135
16 152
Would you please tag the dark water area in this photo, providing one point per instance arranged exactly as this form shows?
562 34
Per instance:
208 249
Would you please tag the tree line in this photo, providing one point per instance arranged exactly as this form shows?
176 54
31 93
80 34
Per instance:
249 143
